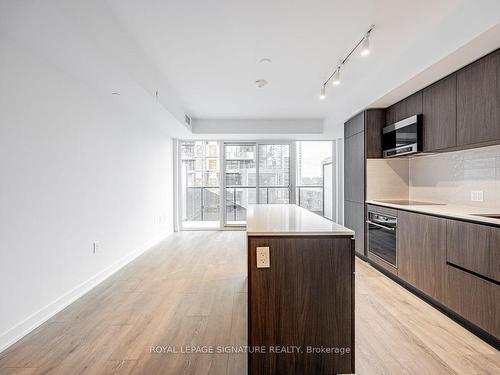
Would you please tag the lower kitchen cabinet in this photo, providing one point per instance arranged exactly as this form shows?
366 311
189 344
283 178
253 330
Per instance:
468 246
422 252
475 299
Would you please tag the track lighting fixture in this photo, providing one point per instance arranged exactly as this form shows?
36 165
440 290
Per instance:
365 45
364 50
322 94
336 77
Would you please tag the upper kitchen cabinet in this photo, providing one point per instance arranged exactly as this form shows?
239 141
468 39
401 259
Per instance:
478 101
374 123
440 114
354 125
412 105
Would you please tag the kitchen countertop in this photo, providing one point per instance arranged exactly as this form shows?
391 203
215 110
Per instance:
451 211
290 220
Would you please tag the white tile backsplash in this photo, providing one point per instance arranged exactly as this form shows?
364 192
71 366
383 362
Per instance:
450 177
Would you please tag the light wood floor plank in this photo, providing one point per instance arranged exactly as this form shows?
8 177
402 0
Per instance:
192 290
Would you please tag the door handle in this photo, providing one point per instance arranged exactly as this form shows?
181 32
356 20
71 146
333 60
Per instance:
380 226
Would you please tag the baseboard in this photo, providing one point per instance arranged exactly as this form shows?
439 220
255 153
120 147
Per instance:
36 319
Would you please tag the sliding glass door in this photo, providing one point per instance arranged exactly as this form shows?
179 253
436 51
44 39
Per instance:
200 186
254 173
240 170
274 173
218 180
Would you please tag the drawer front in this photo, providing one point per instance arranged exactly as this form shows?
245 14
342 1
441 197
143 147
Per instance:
469 246
475 299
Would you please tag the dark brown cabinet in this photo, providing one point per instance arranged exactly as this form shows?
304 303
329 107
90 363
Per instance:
374 120
354 125
478 101
421 242
475 299
495 254
475 248
412 105
362 140
461 110
440 114
305 298
473 262
354 214
454 262
469 246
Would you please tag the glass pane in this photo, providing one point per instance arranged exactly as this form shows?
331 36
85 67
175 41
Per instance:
237 201
240 165
199 185
274 165
274 196
311 198
193 204
211 204
187 150
311 156
212 150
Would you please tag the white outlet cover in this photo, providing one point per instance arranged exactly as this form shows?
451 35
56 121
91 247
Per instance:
263 258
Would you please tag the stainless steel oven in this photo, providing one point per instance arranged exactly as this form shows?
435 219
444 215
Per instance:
382 241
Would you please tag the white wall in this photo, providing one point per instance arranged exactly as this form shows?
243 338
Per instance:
77 165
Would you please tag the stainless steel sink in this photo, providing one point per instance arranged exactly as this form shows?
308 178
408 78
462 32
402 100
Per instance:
489 216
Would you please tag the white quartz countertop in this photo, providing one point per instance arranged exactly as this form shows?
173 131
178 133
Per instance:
290 219
452 211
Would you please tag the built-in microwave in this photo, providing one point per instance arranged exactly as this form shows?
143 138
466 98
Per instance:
403 137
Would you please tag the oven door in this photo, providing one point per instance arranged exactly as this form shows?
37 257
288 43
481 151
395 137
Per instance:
382 237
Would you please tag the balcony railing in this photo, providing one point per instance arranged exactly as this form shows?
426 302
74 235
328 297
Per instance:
311 197
202 204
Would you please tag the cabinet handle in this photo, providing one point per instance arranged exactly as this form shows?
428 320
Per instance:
380 226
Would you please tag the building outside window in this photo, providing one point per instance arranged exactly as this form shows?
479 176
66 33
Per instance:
313 158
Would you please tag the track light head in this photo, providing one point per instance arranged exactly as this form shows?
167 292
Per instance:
322 94
365 45
336 77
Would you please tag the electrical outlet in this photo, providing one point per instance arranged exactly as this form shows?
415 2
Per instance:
263 258
477 196
95 247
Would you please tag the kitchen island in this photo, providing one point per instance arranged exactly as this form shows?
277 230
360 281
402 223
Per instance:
300 292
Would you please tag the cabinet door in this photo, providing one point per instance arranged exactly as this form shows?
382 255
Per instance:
422 252
354 168
412 105
354 125
354 218
469 246
440 114
478 101
375 121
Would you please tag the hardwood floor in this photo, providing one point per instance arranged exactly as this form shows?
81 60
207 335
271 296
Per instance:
191 290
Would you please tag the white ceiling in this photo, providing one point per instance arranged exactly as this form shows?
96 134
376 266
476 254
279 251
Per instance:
209 50
202 56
